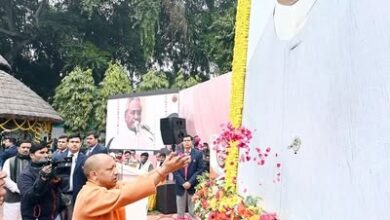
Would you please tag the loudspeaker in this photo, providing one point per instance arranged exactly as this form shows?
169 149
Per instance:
173 130
166 199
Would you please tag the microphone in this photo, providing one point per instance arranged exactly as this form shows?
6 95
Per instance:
147 128
137 127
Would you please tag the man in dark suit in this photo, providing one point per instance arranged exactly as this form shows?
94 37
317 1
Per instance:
73 182
186 178
10 149
93 146
62 146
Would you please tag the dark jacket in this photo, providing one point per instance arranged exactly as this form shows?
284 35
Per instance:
40 199
8 153
99 149
57 155
79 178
195 168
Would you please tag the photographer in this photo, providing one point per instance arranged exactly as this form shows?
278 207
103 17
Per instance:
38 187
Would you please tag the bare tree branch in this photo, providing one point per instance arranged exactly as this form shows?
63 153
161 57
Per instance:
19 45
38 12
10 15
11 33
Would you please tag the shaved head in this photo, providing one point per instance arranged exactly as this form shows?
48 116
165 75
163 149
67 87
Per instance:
94 162
101 170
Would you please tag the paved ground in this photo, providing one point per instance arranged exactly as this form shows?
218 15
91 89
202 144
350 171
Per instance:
151 215
157 216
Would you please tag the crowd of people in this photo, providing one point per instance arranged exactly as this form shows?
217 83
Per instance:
63 183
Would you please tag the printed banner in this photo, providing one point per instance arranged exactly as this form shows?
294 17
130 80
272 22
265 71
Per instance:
134 122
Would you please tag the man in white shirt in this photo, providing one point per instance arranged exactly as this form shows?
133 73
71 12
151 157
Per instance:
13 167
73 181
145 164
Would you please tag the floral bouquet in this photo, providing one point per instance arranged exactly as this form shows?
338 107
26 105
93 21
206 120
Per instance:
213 201
214 198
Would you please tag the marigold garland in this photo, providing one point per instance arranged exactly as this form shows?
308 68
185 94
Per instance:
213 200
238 86
35 127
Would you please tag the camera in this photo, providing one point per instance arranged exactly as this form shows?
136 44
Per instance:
59 168
62 167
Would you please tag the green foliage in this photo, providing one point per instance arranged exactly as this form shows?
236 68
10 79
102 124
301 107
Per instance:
219 39
196 36
116 81
44 40
153 80
89 6
146 15
84 55
183 80
74 100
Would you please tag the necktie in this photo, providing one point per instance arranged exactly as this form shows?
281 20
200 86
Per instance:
73 165
186 167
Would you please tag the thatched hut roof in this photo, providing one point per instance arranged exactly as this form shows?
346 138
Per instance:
4 65
20 102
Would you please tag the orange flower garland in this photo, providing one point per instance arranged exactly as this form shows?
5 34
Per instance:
238 86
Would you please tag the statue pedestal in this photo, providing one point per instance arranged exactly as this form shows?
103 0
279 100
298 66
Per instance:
137 210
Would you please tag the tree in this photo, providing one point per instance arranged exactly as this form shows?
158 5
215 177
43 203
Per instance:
153 80
196 36
75 100
218 38
48 39
116 81
183 81
53 37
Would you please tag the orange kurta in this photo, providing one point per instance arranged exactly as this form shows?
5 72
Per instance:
98 203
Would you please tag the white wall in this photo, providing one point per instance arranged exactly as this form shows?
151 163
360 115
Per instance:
330 86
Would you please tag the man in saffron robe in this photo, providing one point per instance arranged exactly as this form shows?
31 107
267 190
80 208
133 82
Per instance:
104 197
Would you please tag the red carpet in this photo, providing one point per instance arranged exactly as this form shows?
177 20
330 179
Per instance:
160 217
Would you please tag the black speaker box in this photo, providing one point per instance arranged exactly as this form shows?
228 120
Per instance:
173 130
166 199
